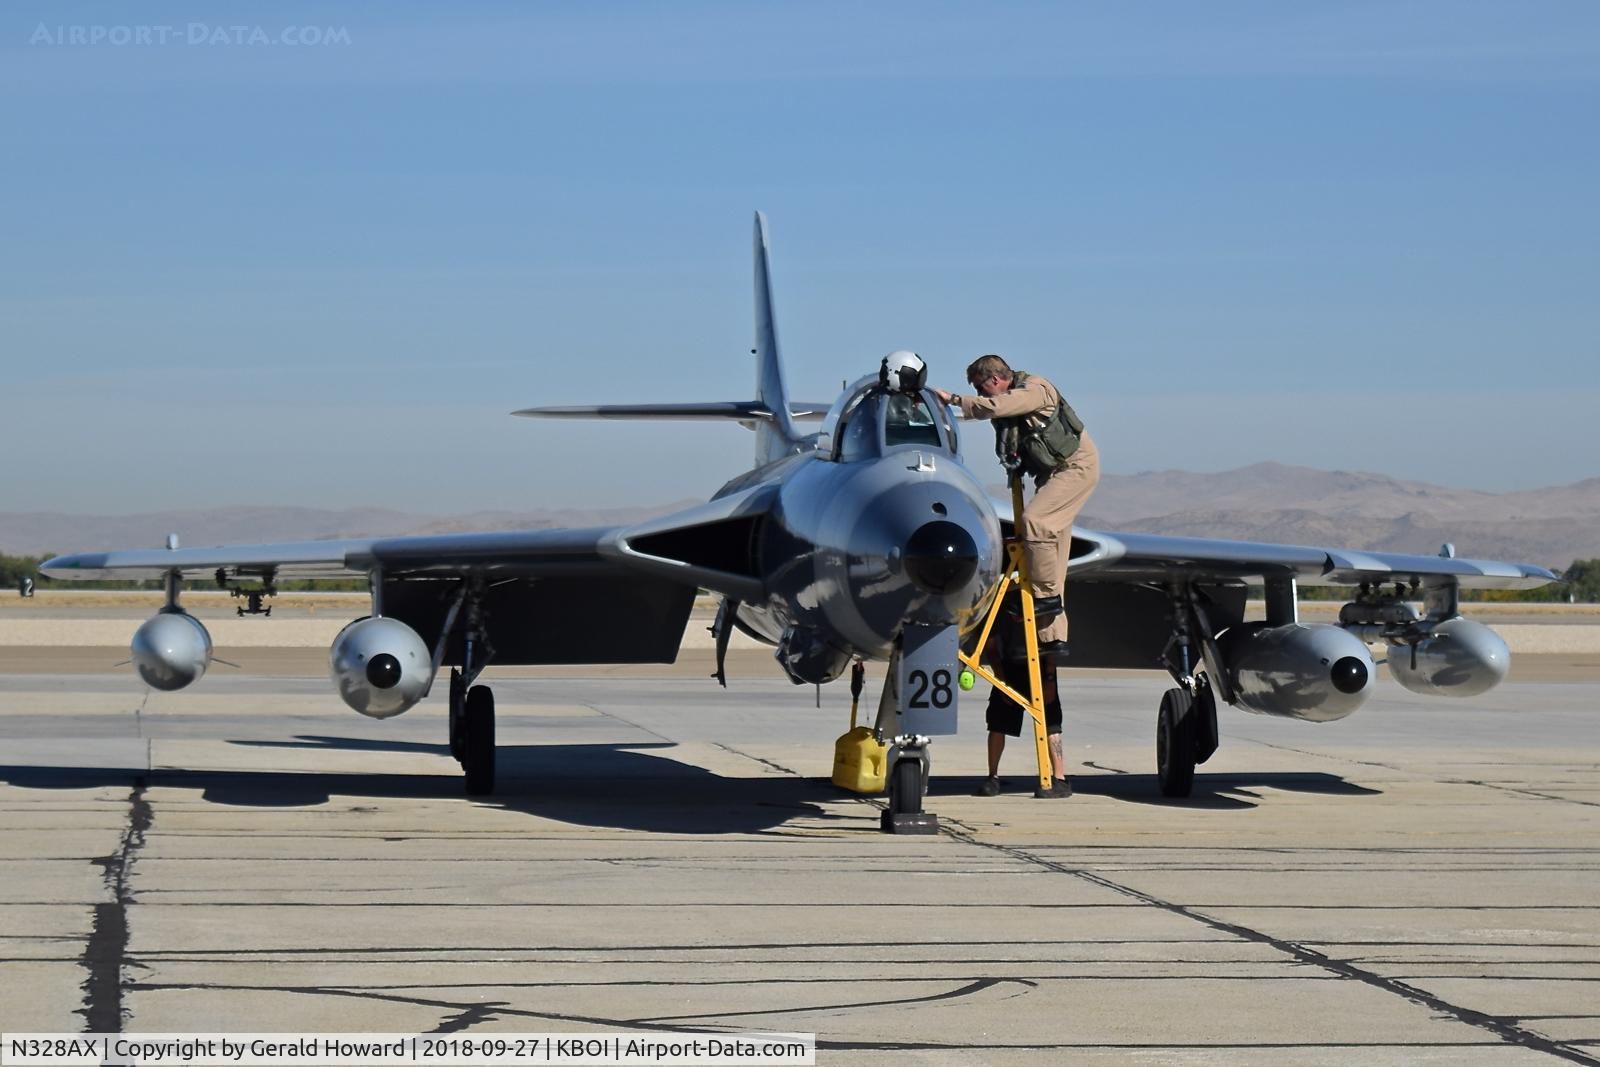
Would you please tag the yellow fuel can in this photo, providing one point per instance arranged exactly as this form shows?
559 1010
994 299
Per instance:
860 761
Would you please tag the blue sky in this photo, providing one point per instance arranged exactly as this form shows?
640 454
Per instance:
1357 236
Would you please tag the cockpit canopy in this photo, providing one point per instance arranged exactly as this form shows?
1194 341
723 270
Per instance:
869 420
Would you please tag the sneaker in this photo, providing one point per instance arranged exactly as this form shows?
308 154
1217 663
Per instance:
1059 787
989 788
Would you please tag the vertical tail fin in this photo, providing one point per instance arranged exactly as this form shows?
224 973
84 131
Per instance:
775 438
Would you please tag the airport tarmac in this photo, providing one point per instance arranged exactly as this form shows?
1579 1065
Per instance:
1416 884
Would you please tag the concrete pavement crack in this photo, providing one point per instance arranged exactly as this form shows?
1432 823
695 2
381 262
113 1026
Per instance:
105 953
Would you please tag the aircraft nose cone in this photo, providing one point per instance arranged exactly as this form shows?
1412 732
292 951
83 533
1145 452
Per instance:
1349 675
941 556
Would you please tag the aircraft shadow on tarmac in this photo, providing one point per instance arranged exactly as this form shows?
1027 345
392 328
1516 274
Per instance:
633 787
617 786
1223 792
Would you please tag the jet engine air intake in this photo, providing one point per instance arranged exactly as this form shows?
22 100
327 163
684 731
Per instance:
171 650
380 666
1314 672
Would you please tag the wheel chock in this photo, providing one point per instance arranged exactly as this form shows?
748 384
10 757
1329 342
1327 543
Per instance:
917 822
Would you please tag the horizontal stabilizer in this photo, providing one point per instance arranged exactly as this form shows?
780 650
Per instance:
739 411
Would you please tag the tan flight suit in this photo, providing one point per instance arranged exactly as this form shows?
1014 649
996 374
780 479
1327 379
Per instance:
1046 531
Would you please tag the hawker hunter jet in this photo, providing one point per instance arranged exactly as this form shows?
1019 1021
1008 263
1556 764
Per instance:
865 540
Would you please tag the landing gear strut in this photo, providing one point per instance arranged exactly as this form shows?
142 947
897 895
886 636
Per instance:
471 712
458 716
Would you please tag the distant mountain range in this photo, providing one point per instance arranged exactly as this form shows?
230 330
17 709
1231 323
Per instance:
1263 502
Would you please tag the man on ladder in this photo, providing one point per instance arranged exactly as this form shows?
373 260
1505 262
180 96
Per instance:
1040 430
1036 433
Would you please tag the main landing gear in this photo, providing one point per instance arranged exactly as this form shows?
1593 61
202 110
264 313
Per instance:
1186 724
472 733
471 706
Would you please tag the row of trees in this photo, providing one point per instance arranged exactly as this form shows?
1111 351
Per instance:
15 568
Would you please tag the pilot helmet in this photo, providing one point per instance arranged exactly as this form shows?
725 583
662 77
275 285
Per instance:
903 372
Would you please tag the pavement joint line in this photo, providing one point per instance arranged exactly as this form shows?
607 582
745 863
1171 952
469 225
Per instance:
1534 793
759 759
629 722
1501 1028
1332 757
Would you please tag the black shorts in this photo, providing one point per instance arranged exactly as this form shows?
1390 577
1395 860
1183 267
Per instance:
1006 716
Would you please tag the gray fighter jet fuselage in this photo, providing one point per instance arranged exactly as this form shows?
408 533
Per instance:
873 526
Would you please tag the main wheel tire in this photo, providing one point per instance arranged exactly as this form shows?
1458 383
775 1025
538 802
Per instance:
1175 744
1205 720
457 716
905 787
477 748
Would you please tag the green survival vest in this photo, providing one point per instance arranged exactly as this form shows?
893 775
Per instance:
1043 440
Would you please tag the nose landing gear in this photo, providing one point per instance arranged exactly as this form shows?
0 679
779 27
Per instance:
908 781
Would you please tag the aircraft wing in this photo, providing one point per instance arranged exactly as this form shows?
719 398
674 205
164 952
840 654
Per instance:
616 594
514 551
550 596
1145 557
1119 585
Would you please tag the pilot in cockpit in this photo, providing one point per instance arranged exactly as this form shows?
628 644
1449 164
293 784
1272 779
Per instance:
908 420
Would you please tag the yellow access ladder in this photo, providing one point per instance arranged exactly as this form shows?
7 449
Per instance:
1017 571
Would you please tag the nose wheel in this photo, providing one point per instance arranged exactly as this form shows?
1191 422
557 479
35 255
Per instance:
908 778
